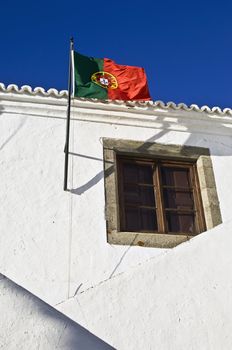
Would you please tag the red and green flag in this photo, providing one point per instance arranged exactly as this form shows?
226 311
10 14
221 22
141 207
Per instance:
104 79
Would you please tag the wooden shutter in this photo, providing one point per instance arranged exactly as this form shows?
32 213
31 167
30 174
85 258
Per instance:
159 196
137 199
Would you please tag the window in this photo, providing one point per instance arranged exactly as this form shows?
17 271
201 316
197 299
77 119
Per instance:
157 195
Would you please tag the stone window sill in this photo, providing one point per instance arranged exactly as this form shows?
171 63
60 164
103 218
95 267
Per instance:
155 240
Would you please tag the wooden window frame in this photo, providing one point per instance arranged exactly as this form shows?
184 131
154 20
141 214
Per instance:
158 193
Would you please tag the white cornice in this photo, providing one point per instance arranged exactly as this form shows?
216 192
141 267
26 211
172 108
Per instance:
27 91
53 104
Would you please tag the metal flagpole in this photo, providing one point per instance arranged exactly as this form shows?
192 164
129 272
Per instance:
66 148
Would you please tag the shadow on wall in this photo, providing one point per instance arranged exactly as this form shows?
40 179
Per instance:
194 139
28 321
97 178
4 141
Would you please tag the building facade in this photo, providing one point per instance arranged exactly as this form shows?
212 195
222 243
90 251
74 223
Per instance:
137 250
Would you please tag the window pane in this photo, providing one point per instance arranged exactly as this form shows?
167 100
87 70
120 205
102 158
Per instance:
138 173
145 174
139 195
178 199
181 223
147 196
132 219
142 219
177 177
131 194
130 172
148 220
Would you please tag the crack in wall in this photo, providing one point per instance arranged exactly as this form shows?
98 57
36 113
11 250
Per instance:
77 293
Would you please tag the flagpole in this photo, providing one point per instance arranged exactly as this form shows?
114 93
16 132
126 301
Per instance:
66 148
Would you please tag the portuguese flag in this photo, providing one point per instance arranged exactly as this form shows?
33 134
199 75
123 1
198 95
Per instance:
104 79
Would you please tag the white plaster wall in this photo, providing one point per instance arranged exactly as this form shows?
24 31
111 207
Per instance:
34 217
28 323
54 242
177 301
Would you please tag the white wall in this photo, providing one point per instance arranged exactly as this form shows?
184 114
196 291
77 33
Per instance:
53 242
28 323
180 300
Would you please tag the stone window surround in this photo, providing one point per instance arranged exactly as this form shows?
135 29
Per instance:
200 155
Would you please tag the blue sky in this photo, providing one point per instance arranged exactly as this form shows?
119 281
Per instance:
184 46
